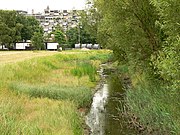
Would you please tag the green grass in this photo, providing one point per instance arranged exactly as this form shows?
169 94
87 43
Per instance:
79 95
42 95
19 115
156 106
85 68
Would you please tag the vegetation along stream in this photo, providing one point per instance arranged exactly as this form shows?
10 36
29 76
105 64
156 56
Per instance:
104 117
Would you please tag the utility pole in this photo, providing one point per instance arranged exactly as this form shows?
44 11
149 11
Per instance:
79 31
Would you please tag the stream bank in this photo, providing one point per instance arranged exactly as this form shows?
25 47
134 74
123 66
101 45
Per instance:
105 117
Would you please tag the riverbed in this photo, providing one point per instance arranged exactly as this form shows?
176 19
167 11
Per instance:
105 117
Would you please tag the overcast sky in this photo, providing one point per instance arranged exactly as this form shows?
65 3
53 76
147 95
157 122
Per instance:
40 5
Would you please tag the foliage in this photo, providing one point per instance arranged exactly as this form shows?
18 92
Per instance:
90 19
144 34
16 27
8 27
37 41
4 33
30 25
136 48
167 61
72 37
85 36
59 37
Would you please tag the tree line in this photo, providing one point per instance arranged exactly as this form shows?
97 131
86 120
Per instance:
16 27
145 36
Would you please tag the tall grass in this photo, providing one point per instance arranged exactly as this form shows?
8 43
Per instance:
19 115
156 106
42 95
79 95
85 68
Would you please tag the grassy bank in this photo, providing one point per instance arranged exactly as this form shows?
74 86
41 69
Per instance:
42 95
154 106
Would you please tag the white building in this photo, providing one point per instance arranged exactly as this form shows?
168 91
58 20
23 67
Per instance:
22 45
52 46
49 19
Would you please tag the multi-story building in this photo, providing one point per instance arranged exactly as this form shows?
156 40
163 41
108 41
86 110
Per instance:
49 19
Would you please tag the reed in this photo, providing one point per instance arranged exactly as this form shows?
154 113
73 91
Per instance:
155 106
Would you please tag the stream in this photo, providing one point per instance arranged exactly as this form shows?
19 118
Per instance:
104 117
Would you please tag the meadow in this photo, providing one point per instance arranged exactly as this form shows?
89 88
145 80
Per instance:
41 93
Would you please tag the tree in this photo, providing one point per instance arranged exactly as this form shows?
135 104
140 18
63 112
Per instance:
30 25
90 19
74 33
72 37
145 35
59 28
9 28
60 37
16 27
168 58
128 28
37 41
4 34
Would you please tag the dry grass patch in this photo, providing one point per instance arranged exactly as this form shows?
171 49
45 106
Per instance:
16 56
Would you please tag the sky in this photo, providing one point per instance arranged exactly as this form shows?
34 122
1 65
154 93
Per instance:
40 5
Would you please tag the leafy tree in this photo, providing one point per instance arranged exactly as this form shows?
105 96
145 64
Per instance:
30 25
72 37
85 36
128 28
60 37
9 28
58 27
90 19
37 41
145 35
4 34
168 58
74 33
16 27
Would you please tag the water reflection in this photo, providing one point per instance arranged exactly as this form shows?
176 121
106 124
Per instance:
96 117
114 125
104 117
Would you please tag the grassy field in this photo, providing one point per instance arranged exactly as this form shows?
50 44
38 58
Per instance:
41 92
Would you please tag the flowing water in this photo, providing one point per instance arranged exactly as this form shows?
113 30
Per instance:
104 117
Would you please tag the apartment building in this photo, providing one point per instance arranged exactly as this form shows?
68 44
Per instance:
49 19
